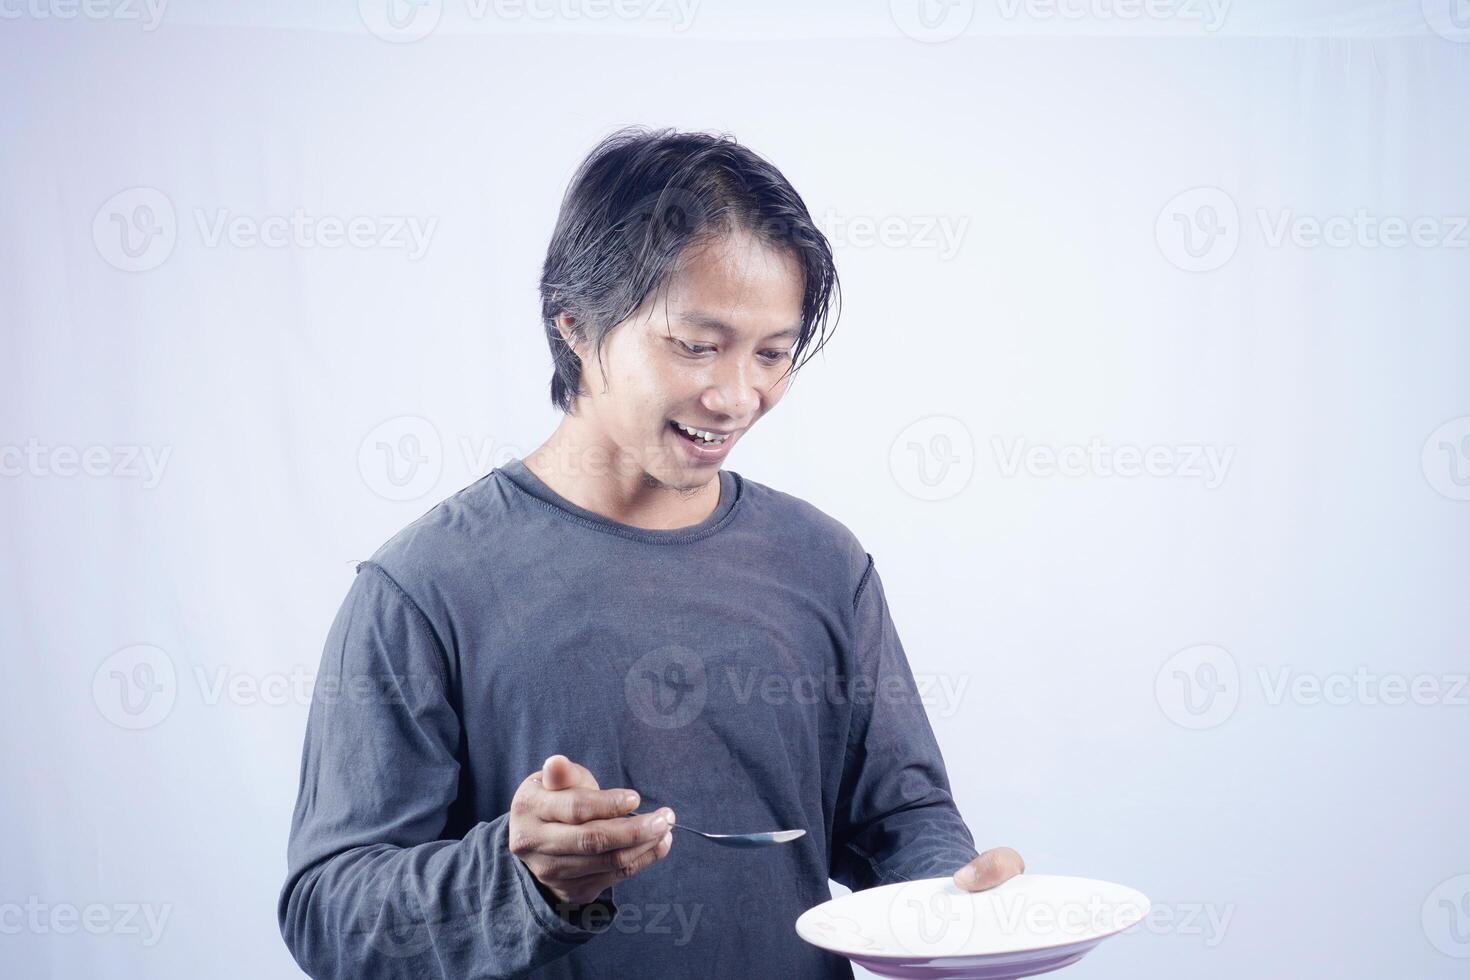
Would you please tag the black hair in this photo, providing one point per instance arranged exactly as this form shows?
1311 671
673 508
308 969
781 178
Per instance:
636 203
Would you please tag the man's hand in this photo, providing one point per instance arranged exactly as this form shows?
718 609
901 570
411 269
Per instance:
989 869
573 836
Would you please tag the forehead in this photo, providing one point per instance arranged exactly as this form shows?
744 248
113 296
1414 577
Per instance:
736 283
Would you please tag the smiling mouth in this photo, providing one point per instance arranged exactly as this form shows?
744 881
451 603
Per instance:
700 437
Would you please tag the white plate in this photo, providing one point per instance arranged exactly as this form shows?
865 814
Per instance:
935 930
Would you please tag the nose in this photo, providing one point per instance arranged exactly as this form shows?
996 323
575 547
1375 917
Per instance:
733 394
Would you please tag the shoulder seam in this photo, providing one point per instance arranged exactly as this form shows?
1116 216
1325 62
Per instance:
441 663
862 583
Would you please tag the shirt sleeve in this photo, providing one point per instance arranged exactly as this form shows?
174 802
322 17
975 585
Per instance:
374 889
895 818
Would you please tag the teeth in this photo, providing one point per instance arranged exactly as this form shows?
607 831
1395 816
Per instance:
701 435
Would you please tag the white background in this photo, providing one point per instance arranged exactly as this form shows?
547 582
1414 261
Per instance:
1076 616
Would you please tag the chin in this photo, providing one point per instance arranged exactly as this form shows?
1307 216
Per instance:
690 480
684 478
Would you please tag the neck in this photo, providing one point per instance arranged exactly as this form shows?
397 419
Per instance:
581 464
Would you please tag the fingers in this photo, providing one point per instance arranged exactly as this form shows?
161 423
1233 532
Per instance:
580 820
593 885
608 866
578 805
602 836
574 836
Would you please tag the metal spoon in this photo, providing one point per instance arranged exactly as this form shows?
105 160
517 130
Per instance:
740 840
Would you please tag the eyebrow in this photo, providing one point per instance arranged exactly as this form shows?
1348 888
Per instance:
724 329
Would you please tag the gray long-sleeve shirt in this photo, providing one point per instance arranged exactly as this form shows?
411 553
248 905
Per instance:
743 671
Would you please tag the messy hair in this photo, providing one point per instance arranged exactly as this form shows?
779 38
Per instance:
642 198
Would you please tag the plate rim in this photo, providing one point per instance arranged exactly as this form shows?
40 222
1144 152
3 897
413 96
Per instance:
1147 906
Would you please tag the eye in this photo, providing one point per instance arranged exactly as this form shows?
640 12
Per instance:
703 348
777 355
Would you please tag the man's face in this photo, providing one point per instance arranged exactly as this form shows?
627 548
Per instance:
672 361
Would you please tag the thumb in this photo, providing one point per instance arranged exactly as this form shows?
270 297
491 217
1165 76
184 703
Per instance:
559 772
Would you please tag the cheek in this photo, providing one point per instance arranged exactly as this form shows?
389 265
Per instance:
653 374
673 386
642 388
657 398
777 389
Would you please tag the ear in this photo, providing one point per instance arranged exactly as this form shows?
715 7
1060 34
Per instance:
566 325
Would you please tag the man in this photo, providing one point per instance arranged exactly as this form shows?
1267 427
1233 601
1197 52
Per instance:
616 624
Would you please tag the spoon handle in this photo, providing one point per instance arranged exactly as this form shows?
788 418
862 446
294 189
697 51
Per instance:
678 825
